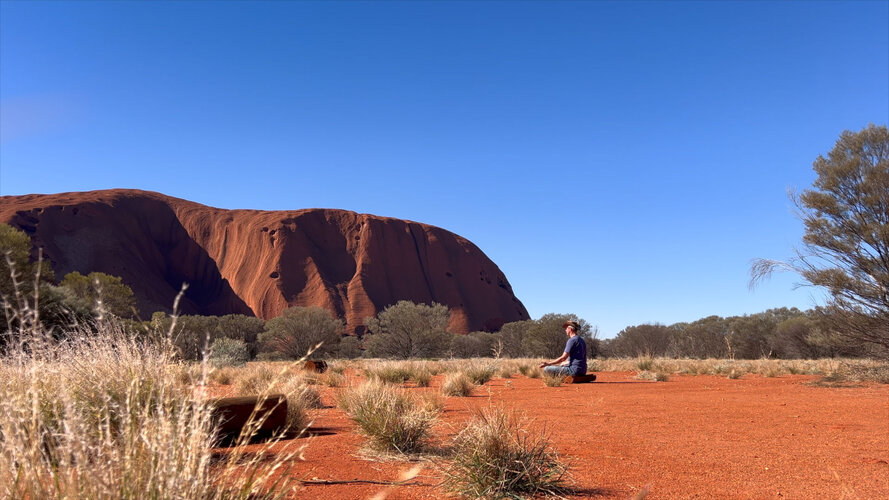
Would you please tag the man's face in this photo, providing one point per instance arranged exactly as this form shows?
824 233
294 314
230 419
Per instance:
568 331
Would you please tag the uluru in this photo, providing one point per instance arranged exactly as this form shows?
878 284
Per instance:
259 262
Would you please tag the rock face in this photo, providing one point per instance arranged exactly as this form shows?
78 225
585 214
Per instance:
260 262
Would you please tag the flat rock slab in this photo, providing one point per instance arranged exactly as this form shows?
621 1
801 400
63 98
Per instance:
579 379
234 413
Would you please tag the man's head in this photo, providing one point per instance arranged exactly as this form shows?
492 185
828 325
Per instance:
571 327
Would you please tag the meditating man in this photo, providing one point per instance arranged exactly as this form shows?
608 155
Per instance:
573 360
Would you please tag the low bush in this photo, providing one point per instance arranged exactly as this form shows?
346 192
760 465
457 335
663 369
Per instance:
116 417
656 376
228 352
552 380
457 384
496 456
392 420
479 372
389 372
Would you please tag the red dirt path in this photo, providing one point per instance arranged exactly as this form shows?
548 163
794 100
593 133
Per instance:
689 437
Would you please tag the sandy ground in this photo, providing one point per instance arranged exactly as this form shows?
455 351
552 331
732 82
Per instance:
690 437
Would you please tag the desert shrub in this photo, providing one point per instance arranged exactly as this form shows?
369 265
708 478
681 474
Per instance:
552 380
475 345
228 352
496 456
407 330
349 348
243 328
115 419
298 330
333 379
102 293
388 372
256 378
221 375
655 376
392 420
457 384
479 372
506 370
512 335
421 376
645 363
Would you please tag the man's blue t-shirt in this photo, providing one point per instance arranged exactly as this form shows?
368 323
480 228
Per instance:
576 349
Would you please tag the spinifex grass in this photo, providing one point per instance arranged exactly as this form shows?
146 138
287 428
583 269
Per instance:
551 380
107 414
392 420
496 456
457 384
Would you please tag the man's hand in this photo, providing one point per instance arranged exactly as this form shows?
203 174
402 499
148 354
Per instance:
543 364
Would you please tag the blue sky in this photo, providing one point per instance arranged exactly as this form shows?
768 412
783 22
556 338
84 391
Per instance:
623 161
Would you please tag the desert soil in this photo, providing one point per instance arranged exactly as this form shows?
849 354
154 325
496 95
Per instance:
690 437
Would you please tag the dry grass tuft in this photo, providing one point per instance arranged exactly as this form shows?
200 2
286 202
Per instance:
111 414
457 384
496 456
392 420
552 380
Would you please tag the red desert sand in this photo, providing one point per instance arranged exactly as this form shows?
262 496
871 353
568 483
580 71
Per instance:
690 437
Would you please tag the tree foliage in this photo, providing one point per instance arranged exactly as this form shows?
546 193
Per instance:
545 337
18 272
408 330
299 329
102 293
846 243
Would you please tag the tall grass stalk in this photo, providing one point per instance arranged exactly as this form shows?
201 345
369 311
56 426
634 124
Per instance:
106 414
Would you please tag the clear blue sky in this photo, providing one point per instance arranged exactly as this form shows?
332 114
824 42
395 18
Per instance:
623 161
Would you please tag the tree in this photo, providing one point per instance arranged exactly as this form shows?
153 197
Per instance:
846 242
642 340
545 337
18 273
240 327
299 329
511 335
704 338
102 293
408 330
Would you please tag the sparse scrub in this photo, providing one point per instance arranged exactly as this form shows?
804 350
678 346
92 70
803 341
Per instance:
117 419
390 419
656 376
389 372
479 372
496 456
552 380
645 363
228 352
333 379
256 378
224 376
421 377
457 384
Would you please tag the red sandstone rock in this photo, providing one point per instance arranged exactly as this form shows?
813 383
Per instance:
260 262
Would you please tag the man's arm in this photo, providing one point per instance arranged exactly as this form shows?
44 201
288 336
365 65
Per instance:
559 360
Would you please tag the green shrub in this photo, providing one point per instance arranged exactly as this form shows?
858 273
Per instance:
228 352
